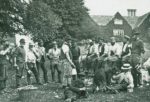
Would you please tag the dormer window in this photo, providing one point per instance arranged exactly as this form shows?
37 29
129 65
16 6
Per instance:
118 22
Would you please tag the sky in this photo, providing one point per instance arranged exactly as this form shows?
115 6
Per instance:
110 7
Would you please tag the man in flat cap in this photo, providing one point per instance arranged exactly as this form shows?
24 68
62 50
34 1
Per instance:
20 61
31 62
136 57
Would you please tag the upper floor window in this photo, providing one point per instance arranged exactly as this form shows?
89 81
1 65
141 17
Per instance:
118 22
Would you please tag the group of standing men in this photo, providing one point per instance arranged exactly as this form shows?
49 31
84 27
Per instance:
33 60
66 59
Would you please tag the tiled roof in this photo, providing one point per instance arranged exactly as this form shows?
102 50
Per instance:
141 19
103 20
131 20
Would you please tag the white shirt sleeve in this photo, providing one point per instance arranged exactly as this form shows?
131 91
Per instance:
65 49
118 50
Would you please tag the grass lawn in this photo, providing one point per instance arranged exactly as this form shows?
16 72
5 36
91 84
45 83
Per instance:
46 93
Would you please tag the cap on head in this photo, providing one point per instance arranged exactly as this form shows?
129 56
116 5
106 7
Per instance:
31 44
113 39
90 41
54 43
67 39
82 74
135 32
22 40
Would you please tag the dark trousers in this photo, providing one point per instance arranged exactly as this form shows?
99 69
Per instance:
55 67
135 60
3 76
119 87
34 70
77 64
68 93
79 93
42 66
110 69
19 72
137 77
109 75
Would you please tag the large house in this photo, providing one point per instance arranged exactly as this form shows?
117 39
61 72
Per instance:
116 25
143 26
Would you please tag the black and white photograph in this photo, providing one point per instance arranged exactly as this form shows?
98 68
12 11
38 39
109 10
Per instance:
74 50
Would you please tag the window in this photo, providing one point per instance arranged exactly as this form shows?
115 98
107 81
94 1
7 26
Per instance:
118 32
118 22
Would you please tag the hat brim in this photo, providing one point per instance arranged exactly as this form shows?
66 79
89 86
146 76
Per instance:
136 33
123 68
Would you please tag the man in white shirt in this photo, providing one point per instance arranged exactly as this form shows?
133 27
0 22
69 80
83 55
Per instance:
93 55
54 57
31 63
124 79
114 49
113 56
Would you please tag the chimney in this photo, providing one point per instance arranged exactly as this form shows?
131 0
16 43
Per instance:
131 12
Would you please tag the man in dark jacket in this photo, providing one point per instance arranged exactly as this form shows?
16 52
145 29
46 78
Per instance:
41 61
20 62
75 50
136 58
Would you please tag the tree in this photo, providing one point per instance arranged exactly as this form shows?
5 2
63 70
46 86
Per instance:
41 21
11 12
71 13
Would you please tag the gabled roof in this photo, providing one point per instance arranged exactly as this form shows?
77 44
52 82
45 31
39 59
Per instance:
141 19
131 20
104 20
101 20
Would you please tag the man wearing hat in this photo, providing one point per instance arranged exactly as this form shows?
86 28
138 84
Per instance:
123 80
31 62
20 61
54 57
137 52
